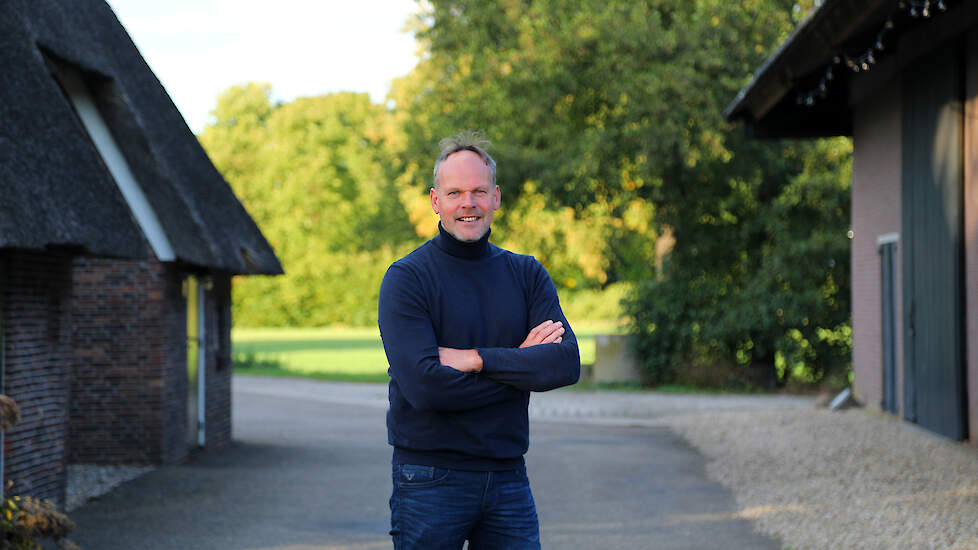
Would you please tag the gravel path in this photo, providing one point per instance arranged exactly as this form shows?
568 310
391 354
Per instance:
852 479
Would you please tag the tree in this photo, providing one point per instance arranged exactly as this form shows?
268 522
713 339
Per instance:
607 117
313 174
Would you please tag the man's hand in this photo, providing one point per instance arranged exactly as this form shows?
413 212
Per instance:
547 332
464 360
469 360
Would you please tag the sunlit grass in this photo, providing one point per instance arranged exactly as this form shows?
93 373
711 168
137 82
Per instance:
349 354
346 354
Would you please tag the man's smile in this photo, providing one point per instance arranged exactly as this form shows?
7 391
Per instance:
468 218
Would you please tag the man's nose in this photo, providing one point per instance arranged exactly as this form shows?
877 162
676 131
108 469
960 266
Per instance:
468 200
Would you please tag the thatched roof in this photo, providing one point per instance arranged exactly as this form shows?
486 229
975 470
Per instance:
55 189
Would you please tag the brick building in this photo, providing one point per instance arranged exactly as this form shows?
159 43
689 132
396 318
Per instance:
118 242
901 78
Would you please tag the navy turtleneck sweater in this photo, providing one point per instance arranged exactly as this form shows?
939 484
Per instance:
468 296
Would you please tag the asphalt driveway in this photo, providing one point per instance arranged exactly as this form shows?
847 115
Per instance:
310 470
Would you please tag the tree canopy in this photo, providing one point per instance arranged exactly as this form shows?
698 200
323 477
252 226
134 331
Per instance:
615 164
313 174
608 117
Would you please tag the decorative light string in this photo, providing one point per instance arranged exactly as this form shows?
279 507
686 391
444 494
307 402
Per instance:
865 60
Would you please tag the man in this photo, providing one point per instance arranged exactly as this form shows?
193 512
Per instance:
470 330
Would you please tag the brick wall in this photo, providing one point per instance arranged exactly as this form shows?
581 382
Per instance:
173 323
119 352
218 376
95 356
37 343
129 393
876 211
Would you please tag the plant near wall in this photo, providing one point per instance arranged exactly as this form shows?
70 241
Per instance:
24 520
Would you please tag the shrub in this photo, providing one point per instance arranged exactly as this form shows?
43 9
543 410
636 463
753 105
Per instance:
23 520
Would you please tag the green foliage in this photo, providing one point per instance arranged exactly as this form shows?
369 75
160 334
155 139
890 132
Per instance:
608 119
587 306
617 172
25 520
313 175
770 290
546 82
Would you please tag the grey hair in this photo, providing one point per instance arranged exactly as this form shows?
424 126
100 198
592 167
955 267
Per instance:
467 140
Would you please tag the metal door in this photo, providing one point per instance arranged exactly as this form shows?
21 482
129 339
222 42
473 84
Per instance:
932 171
888 299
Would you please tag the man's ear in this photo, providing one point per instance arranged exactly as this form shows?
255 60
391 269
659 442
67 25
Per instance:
499 199
434 200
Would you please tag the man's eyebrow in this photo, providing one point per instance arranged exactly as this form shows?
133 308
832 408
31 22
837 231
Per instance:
481 186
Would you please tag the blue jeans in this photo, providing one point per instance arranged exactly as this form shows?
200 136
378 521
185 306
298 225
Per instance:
436 508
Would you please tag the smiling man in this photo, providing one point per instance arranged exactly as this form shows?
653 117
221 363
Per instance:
470 330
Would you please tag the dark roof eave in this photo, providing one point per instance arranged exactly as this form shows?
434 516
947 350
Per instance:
811 46
815 127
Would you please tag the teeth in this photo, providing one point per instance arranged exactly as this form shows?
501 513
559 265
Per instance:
468 219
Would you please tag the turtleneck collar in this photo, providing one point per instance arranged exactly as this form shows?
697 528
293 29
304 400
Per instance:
470 251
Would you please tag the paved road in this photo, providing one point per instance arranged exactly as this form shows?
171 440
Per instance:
310 471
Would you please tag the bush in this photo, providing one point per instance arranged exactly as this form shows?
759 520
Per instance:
23 520
594 305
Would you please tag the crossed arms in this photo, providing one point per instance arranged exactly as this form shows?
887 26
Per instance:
469 360
431 377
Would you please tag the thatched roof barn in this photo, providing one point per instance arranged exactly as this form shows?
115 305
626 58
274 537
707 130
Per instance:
118 241
55 188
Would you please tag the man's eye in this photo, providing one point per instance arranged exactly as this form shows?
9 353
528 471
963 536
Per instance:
452 193
481 192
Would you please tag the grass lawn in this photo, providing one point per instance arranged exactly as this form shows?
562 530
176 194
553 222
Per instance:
345 354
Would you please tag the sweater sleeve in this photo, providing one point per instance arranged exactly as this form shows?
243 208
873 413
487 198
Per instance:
412 353
542 367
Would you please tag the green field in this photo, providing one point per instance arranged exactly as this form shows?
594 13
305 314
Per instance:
347 354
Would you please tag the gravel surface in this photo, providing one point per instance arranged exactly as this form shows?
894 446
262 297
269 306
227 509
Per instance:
87 481
850 479
621 407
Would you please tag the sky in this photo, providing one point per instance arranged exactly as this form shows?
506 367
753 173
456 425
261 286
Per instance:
199 48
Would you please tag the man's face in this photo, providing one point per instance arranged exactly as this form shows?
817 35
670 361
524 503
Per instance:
465 198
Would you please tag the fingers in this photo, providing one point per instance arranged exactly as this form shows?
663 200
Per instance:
541 329
462 360
546 332
551 330
557 333
546 327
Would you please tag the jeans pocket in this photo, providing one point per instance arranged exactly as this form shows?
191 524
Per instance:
413 476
